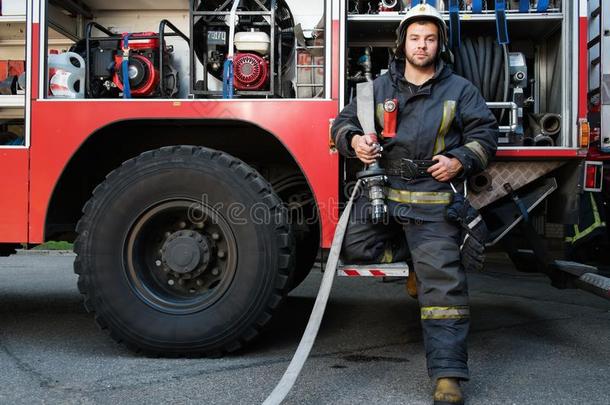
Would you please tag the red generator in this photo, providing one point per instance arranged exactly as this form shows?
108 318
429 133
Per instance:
138 56
142 51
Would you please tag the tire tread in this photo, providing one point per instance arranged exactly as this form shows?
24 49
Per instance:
284 239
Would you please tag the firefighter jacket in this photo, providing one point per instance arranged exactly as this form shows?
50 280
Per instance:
447 115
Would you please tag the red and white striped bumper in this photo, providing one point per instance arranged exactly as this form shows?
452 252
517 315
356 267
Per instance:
399 269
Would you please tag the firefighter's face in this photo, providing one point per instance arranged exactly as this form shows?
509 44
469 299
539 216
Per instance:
421 44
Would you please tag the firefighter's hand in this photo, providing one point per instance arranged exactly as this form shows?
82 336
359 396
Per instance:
366 148
446 168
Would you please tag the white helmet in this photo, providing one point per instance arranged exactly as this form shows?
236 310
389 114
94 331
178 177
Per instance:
420 12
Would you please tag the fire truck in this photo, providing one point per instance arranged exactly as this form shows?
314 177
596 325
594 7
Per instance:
183 145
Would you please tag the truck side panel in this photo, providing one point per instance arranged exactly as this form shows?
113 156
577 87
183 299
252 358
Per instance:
60 127
14 195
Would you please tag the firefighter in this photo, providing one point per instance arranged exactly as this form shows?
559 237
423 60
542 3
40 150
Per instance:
441 117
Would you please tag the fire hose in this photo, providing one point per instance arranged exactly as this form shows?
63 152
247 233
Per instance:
485 64
313 326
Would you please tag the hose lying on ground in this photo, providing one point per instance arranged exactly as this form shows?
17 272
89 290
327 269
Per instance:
311 331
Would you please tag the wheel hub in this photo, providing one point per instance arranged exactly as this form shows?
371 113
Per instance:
180 257
185 251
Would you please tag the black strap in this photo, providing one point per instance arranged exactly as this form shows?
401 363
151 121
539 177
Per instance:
518 202
408 169
501 25
454 24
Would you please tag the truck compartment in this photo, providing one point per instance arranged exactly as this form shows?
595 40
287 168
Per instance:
528 82
184 49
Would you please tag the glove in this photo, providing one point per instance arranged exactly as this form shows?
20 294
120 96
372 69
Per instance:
474 232
473 247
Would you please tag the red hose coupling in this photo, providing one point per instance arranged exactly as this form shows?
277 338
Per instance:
390 114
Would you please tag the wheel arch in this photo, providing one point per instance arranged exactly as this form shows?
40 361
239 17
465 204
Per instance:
108 147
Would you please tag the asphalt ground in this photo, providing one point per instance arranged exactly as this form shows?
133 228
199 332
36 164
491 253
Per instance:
529 344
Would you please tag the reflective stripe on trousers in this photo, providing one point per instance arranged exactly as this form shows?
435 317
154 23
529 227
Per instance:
459 312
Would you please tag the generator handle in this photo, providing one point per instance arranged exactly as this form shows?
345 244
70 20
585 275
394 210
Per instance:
167 23
92 25
176 32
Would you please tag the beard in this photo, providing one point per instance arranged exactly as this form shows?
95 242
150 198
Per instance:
429 61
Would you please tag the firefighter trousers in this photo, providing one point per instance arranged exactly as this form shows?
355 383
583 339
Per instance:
434 249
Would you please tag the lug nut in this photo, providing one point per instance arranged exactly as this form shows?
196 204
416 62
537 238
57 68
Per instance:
171 282
199 283
158 263
215 236
182 224
215 272
221 254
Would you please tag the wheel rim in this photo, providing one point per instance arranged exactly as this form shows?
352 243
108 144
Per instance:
180 256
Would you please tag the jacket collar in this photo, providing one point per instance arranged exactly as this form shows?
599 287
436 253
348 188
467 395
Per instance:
397 73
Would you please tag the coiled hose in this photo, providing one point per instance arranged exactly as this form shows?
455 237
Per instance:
484 63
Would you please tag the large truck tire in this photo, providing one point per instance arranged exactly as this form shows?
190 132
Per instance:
304 222
183 251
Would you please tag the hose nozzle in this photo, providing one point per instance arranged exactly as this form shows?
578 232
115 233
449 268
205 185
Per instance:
375 180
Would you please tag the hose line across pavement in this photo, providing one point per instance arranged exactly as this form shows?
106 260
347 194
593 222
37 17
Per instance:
313 326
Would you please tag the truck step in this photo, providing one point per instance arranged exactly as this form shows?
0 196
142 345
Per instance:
398 269
574 268
595 283
586 277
